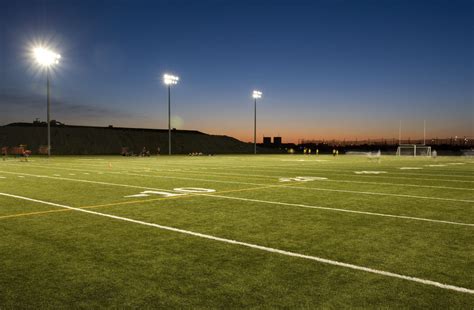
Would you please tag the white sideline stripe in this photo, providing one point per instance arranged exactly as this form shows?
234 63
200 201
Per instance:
338 172
85 181
340 210
251 183
260 247
303 187
332 180
328 180
319 170
262 201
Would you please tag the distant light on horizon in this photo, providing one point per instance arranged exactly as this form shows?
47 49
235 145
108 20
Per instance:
45 57
169 79
257 94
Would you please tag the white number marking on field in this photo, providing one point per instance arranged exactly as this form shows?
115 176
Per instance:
369 172
194 190
148 193
410 168
302 179
318 160
181 191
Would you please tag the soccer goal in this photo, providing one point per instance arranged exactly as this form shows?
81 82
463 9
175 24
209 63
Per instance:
413 150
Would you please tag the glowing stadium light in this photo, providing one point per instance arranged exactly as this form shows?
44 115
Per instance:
257 94
45 57
169 79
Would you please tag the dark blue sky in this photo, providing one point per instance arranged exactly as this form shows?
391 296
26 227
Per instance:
328 69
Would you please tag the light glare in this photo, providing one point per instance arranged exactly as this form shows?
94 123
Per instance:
45 57
169 79
257 94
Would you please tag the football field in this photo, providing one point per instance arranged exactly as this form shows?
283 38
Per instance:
245 231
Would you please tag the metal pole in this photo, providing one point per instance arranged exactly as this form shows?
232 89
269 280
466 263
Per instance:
400 133
255 127
424 132
169 119
48 108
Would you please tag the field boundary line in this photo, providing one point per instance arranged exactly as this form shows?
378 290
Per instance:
319 169
340 210
261 176
217 195
237 182
264 169
259 247
338 172
263 201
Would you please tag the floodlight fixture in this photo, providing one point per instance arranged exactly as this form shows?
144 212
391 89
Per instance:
257 94
45 57
169 79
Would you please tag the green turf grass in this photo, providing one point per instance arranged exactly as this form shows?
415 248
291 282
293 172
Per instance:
56 258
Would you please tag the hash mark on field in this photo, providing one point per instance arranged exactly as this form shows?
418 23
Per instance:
21 176
260 247
410 168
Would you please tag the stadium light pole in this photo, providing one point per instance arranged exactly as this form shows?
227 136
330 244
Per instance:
256 95
424 132
400 133
46 58
169 80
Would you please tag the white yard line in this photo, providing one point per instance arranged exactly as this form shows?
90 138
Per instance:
260 247
293 171
262 201
260 184
328 180
338 210
84 181
306 168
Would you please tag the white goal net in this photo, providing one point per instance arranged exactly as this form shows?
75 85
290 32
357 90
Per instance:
413 150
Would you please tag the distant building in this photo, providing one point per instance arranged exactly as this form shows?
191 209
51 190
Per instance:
277 141
267 141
